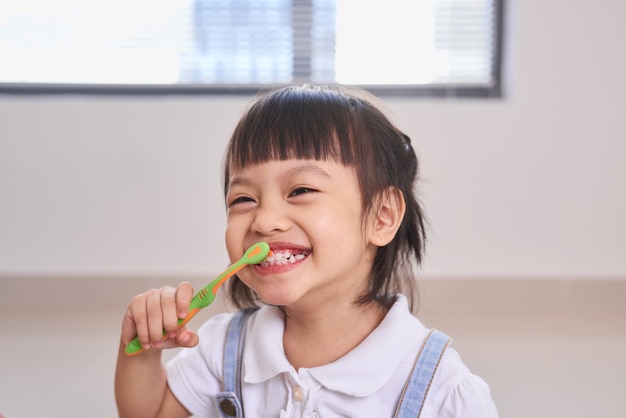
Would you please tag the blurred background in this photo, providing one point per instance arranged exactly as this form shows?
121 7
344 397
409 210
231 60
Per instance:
104 195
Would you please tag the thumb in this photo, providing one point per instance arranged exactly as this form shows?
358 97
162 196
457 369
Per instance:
187 338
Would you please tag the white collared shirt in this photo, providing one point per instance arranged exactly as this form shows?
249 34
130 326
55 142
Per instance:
365 382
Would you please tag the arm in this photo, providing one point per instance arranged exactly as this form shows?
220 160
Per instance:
141 387
140 381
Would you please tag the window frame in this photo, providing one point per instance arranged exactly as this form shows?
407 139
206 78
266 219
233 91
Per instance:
493 91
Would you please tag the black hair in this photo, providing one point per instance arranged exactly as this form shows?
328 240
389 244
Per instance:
340 124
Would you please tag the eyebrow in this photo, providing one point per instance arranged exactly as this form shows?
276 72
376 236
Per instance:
303 168
307 168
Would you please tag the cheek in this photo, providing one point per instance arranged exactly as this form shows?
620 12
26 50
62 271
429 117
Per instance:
337 227
233 240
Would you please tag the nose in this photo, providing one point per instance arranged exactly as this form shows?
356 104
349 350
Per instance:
270 219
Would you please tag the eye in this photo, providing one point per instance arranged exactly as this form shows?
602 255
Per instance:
240 200
300 191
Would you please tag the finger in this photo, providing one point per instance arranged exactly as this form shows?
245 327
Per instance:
136 313
155 317
129 326
168 310
184 294
187 338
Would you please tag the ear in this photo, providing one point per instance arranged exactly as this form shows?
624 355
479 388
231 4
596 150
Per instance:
387 214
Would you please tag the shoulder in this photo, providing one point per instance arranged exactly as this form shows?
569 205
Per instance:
194 375
210 346
209 353
457 392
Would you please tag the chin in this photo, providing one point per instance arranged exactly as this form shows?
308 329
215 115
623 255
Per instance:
277 301
279 298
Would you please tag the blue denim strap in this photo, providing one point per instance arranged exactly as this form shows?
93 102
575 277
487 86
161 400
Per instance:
416 387
229 400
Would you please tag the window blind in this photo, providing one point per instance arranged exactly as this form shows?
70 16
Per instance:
201 45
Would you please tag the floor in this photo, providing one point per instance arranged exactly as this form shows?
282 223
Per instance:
57 358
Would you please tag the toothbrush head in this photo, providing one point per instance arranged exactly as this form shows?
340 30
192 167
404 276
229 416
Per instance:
256 253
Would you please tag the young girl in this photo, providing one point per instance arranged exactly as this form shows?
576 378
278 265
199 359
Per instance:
321 175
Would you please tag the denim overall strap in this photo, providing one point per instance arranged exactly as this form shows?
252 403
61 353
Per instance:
229 400
416 387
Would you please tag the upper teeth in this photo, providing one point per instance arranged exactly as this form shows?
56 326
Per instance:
284 257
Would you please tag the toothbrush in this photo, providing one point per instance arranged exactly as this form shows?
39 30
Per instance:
205 296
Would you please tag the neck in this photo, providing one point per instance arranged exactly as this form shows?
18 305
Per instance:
325 334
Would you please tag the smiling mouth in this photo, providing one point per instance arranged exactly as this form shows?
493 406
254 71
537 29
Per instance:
281 258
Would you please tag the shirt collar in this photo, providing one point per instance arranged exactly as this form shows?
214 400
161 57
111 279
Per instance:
264 355
380 353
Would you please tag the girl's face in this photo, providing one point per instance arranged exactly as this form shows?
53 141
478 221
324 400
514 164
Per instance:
310 213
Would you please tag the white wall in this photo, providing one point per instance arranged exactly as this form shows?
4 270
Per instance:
529 191
101 198
531 185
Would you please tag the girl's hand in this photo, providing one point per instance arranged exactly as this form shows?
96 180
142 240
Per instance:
148 314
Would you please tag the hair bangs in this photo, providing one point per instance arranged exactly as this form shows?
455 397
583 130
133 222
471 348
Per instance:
301 122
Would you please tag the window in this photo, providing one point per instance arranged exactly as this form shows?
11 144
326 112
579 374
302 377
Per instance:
407 47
